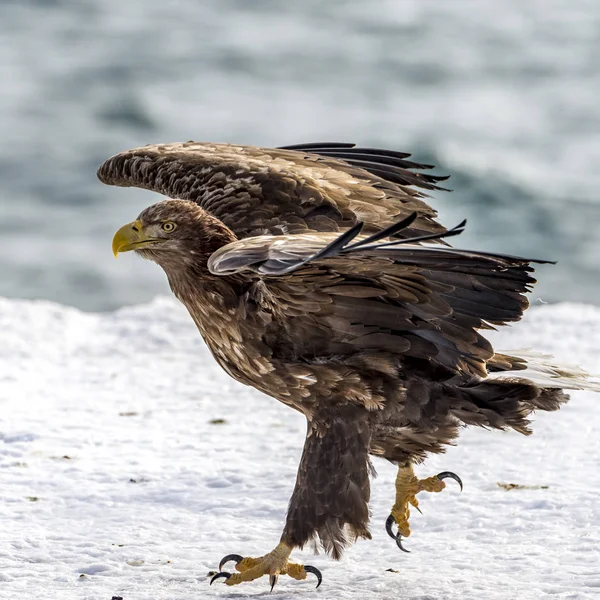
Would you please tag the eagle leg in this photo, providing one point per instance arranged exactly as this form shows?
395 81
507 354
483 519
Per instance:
273 564
407 488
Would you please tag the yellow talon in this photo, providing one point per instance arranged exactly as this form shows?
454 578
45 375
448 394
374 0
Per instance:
273 564
407 488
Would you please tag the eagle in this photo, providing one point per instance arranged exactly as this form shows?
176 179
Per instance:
319 274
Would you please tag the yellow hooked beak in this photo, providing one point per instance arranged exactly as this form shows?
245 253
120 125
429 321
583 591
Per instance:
130 237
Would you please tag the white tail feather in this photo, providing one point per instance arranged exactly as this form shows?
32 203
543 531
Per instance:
544 372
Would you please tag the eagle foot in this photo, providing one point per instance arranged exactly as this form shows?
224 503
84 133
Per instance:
273 564
407 488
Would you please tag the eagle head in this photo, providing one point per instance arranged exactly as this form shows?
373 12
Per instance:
172 231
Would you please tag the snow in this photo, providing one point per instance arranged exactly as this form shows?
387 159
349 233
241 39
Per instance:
117 481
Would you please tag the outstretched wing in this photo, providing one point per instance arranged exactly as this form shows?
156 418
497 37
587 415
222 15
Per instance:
257 191
390 165
417 301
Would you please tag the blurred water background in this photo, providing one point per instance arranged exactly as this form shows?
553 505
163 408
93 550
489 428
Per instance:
504 96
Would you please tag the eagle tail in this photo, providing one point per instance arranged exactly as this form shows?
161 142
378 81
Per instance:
517 385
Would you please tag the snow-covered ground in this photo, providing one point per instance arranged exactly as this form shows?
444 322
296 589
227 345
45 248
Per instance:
130 464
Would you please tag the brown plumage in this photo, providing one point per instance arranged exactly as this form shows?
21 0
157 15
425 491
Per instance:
378 344
256 191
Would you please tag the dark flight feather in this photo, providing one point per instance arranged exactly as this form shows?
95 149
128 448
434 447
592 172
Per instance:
443 298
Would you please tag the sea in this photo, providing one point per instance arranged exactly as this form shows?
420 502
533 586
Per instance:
502 96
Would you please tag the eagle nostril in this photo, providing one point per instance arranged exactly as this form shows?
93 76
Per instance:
135 228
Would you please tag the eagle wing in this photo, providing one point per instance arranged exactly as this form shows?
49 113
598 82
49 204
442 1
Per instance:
425 302
295 189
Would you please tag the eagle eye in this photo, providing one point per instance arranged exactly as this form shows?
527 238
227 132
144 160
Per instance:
168 226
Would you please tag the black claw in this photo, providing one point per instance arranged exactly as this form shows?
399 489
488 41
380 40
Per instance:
316 572
450 475
222 574
229 557
388 526
272 581
399 544
395 536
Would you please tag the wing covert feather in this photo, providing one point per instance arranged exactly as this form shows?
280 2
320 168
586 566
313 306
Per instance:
256 191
